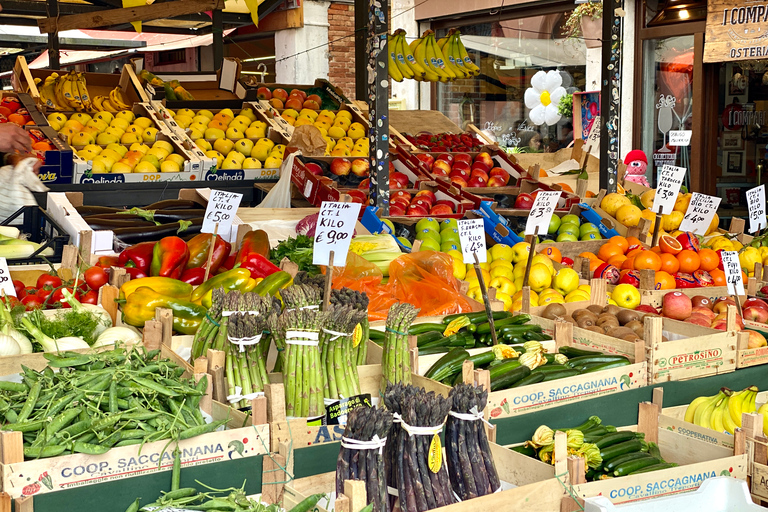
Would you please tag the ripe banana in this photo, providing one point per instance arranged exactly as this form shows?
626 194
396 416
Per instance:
728 423
743 401
764 411
718 416
450 61
83 92
397 45
417 68
438 56
48 94
468 62
420 53
59 91
689 412
394 71
703 416
431 57
117 99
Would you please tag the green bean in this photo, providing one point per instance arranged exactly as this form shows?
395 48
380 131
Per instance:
176 473
48 373
199 430
101 384
16 387
62 420
200 387
36 452
141 415
34 392
90 449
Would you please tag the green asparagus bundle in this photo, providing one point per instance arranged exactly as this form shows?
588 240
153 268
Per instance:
245 362
209 327
396 363
338 356
359 301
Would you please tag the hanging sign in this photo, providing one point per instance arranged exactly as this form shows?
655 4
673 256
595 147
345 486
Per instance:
735 30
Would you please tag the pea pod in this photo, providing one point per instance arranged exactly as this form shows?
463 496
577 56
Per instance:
30 403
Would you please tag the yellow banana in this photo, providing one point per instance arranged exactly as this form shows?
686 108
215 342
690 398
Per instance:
396 43
418 69
420 54
705 408
58 88
413 44
108 106
706 416
48 94
69 87
450 62
718 416
441 42
394 71
694 405
83 91
124 103
72 79
468 62
116 99
96 104
736 404
439 58
457 60
764 411
728 423
431 58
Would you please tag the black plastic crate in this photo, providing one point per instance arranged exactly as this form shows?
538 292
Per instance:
42 229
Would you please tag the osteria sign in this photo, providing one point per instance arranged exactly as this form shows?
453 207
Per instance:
736 30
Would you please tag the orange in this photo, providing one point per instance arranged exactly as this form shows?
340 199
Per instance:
647 260
543 173
664 281
709 259
617 260
16 119
669 244
629 263
43 146
588 255
669 263
565 187
593 264
553 253
633 240
608 251
656 249
589 194
633 251
718 276
620 241
689 261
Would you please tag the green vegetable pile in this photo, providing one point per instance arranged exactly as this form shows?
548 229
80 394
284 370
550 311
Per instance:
97 401
299 250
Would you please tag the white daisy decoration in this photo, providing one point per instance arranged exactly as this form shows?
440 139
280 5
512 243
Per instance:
543 97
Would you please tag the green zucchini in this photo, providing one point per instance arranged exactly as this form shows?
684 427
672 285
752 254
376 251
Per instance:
482 359
577 352
630 467
429 351
427 337
536 335
477 317
615 438
613 451
517 320
607 366
426 327
604 358
655 467
525 450
610 465
533 378
376 335
509 378
551 368
502 367
447 365
562 374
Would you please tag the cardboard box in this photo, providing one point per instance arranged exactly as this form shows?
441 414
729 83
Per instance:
221 86
58 162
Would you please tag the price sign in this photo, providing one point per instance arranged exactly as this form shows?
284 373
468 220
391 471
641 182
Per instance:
669 180
680 137
541 212
335 227
699 214
6 283
733 277
756 203
221 210
472 238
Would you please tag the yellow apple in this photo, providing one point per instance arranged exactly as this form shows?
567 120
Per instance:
214 133
183 121
163 144
138 146
244 146
82 139
105 139
234 133
215 155
248 114
107 117
159 153
223 146
144 122
251 163
255 132
236 155
98 124
118 148
149 135
121 168
175 158
111 154
114 130
231 163
207 113
81 117
145 167
185 112
130 138
121 123
57 120
273 162
127 115
203 144
169 166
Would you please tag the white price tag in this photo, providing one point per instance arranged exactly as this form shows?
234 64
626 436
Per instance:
756 204
541 212
680 138
669 180
733 277
335 227
6 283
221 210
699 214
472 238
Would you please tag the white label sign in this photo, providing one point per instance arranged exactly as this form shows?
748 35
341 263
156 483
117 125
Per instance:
733 277
335 226
680 137
699 214
6 283
541 212
472 238
221 210
669 180
756 203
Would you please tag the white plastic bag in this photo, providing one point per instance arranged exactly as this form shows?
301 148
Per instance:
280 195
16 187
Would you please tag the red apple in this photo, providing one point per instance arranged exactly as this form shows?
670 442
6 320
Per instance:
447 157
298 92
358 196
485 158
341 166
500 173
495 181
440 209
759 303
463 157
263 93
524 201
313 97
479 173
401 202
481 166
461 166
416 210
703 311
401 193
422 201
446 202
442 167
756 340
312 105
365 184
294 103
755 314
700 300
391 167
647 308
764 290
280 94
276 103
724 317
722 303
699 320
676 305
460 173
314 168
427 159
567 262
429 193
439 171
360 167
401 178
458 181
395 210
477 182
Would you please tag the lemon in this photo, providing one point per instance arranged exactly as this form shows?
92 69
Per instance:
540 277
647 198
577 296
628 215
612 202
502 252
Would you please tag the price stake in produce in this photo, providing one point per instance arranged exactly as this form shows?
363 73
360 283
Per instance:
670 178
472 238
699 214
541 212
221 211
733 276
756 204
6 283
335 227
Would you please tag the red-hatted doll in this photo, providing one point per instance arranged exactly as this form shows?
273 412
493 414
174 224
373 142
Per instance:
637 164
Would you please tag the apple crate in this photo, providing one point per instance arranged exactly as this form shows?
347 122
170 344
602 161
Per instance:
445 195
528 186
334 96
276 116
315 189
697 461
139 110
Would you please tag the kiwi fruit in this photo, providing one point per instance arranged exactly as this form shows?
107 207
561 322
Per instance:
554 311
636 326
607 319
610 308
585 321
579 312
620 332
595 328
595 309
630 337
626 316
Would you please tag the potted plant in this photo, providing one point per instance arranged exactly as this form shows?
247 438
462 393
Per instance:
585 21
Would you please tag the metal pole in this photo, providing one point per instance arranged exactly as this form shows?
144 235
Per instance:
53 37
377 82
217 29
361 50
610 94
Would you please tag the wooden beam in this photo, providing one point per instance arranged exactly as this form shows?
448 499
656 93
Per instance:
110 17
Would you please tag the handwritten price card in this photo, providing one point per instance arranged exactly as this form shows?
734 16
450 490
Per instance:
699 214
472 238
669 180
756 203
733 277
221 210
541 212
335 227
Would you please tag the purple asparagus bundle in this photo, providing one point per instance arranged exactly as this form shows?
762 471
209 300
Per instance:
470 463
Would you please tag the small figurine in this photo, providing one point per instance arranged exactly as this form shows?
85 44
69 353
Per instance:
637 164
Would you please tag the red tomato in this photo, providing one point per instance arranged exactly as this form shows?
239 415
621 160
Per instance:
96 277
20 293
92 297
48 280
30 290
58 296
11 301
32 302
43 294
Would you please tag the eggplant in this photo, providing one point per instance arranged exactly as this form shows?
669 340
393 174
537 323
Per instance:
144 234
174 204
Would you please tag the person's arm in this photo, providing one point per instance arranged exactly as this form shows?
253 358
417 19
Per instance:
14 138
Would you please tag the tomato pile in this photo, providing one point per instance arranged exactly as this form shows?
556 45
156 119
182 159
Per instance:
48 292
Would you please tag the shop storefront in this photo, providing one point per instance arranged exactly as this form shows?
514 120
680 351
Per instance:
702 69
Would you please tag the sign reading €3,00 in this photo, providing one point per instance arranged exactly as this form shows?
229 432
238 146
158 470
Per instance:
736 30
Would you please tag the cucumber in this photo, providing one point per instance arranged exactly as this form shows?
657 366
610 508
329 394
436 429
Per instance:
562 374
630 467
426 327
482 359
509 378
447 365
427 337
610 465
615 438
607 366
533 378
655 467
376 335
577 352
613 451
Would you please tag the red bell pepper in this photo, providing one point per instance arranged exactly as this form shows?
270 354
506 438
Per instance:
228 264
169 257
200 245
253 242
258 265
194 276
135 273
137 256
107 262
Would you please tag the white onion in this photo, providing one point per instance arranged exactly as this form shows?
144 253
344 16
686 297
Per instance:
8 346
115 334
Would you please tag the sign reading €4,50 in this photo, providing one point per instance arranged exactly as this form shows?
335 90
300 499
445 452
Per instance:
736 30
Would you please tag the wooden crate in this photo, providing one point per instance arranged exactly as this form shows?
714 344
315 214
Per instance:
697 461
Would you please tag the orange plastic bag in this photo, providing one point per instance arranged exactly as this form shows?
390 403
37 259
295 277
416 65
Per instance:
363 276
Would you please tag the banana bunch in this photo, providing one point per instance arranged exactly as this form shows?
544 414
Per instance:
428 60
722 412
113 103
69 92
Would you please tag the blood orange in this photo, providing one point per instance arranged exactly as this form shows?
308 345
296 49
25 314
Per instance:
669 245
689 241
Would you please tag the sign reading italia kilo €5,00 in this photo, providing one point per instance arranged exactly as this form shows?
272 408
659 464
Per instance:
736 30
